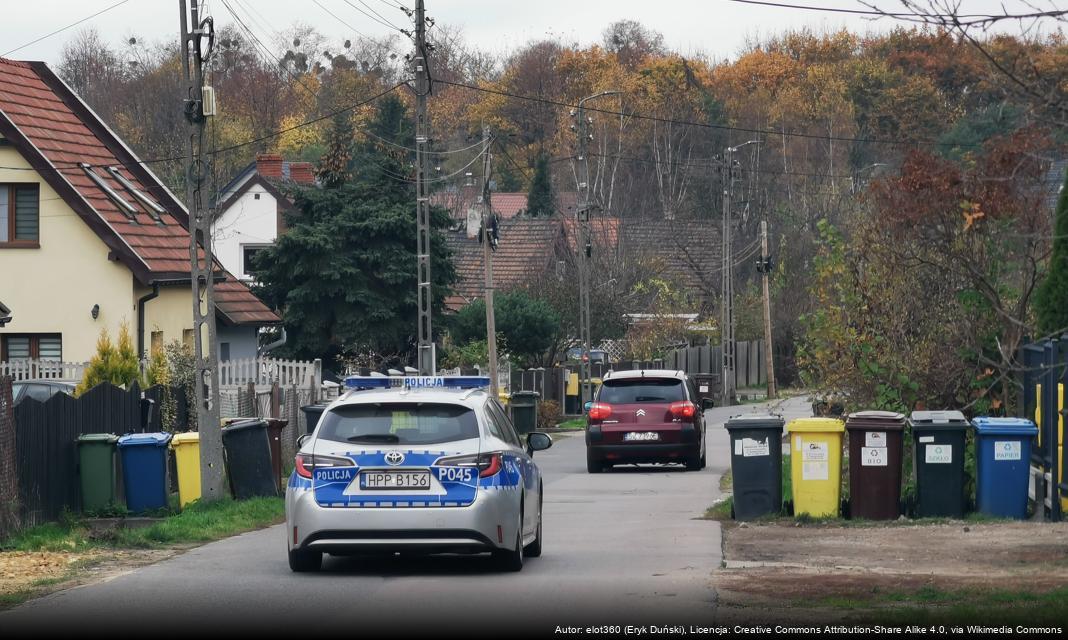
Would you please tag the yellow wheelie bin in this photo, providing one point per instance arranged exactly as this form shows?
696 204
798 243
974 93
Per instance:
186 448
816 465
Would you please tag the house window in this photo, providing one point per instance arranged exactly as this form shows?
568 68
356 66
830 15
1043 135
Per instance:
20 209
248 253
30 346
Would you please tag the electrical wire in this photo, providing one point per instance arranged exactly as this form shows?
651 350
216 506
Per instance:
975 17
380 18
62 29
381 43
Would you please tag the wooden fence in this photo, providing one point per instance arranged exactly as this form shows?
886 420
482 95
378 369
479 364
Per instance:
266 371
52 369
46 447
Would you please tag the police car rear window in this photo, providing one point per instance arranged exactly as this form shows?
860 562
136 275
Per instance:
399 423
636 390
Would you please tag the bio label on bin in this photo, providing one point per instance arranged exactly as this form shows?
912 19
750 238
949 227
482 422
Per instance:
875 439
1007 450
938 454
814 464
752 448
873 457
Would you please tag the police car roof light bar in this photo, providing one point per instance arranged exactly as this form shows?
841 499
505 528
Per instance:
416 382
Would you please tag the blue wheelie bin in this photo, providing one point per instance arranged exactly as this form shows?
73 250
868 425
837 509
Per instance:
1002 465
144 470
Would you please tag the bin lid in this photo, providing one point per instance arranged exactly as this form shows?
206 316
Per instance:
881 420
144 440
189 437
815 425
755 421
255 423
938 420
1004 427
525 394
98 438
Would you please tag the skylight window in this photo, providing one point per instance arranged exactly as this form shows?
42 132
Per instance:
124 206
153 208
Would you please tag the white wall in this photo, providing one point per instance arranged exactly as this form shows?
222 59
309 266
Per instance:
246 221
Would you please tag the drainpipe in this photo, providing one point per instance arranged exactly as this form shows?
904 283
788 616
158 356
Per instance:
265 349
141 318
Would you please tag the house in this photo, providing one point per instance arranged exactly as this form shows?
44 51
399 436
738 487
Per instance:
506 204
90 238
250 208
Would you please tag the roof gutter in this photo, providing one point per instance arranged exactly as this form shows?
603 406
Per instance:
141 302
267 348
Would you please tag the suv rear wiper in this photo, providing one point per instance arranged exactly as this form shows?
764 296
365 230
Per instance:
375 437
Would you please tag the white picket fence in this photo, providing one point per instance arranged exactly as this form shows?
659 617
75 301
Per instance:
35 369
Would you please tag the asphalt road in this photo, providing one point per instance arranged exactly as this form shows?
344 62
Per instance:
620 547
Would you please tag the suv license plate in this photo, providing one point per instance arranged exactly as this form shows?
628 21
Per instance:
635 436
395 479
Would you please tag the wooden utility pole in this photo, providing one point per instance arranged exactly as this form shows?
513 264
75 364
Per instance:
488 247
765 269
727 283
196 49
427 359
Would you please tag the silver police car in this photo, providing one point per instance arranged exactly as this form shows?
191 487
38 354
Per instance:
417 464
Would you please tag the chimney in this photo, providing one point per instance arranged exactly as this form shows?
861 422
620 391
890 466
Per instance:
269 165
302 173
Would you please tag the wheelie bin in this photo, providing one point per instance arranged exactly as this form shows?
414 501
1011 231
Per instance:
312 413
524 405
756 465
144 470
1002 465
875 451
186 447
96 466
816 465
275 427
248 459
939 439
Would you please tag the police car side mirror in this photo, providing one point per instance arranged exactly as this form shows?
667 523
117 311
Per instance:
539 441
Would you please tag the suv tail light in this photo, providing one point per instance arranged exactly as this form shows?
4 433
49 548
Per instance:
600 411
307 462
488 464
684 409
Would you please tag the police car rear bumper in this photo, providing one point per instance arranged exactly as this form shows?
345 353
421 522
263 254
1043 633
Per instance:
469 529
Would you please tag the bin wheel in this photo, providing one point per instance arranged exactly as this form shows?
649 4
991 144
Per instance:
304 560
593 465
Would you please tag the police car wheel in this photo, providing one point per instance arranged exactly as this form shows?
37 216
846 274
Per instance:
511 559
303 560
533 550
704 460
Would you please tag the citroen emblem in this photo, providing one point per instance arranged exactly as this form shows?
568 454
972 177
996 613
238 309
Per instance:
394 457
640 412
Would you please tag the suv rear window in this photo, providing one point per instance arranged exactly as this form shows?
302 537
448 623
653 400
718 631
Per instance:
637 390
399 423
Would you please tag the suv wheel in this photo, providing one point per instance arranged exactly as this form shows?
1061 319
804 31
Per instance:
533 550
304 560
593 465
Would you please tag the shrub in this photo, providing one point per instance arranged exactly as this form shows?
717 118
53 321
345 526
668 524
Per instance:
548 414
117 364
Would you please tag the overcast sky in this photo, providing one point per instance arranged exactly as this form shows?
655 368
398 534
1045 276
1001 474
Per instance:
716 27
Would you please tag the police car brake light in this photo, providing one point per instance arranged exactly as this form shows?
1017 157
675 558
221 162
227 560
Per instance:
488 463
306 463
416 382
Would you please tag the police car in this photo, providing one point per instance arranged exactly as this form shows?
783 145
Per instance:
415 464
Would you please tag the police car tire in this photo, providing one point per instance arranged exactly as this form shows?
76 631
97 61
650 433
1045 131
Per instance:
511 560
303 561
533 550
704 460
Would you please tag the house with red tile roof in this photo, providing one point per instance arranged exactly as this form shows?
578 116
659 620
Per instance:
90 238
506 204
249 210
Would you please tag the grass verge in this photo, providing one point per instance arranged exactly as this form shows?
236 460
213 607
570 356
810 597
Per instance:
576 424
930 605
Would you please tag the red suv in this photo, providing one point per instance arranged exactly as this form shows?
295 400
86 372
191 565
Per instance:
652 415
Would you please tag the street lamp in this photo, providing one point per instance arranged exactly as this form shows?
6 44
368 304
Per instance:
582 177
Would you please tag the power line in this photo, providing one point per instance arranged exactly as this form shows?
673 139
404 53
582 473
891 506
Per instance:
379 19
62 29
333 15
706 125
861 12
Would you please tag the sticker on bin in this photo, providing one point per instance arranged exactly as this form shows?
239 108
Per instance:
749 448
875 439
814 464
926 439
1007 450
938 454
873 456
703 388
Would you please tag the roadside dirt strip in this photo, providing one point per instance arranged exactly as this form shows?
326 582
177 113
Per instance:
781 570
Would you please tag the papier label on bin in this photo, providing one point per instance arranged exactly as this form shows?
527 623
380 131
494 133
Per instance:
938 454
1007 450
873 456
875 439
752 448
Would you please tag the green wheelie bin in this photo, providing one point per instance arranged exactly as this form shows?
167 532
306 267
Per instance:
96 466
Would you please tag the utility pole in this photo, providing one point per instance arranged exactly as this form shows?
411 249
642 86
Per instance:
764 266
487 257
199 105
727 282
427 356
